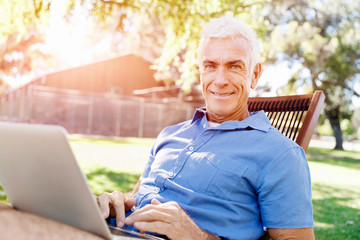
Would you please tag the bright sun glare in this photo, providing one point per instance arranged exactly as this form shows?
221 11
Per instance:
67 39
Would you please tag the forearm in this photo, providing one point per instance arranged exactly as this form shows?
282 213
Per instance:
291 234
200 234
207 236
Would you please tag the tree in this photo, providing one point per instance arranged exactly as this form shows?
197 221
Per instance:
20 35
181 22
323 37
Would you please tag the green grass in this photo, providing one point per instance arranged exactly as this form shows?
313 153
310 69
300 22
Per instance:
350 159
105 174
111 141
336 193
335 215
103 179
335 179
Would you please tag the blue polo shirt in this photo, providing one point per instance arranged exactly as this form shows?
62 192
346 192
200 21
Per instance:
232 180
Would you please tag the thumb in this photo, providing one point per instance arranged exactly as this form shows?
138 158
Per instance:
155 202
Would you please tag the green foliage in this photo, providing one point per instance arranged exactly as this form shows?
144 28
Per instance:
169 30
355 120
181 23
325 129
324 39
20 33
347 127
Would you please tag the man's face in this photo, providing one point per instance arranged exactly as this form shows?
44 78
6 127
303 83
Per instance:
226 78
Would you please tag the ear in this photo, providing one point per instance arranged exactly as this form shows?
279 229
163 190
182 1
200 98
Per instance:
256 74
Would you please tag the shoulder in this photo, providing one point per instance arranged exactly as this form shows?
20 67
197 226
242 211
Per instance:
279 140
272 143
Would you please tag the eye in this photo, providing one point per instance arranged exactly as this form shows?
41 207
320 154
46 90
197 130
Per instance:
209 66
236 67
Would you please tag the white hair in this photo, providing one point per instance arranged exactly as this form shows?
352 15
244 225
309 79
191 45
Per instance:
229 26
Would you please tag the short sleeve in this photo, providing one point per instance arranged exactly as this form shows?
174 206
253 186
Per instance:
285 192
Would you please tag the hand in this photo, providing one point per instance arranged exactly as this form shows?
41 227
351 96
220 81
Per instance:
115 204
167 219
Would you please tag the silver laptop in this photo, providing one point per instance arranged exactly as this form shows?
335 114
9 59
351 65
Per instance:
40 175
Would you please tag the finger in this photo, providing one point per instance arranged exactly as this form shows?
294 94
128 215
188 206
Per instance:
117 200
155 202
150 213
103 201
155 227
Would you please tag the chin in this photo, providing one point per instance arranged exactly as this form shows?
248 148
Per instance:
221 112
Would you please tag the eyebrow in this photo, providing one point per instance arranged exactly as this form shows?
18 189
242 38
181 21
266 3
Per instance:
207 61
236 61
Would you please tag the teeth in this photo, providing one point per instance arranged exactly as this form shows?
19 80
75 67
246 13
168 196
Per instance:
221 94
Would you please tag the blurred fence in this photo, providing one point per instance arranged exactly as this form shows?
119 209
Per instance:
91 113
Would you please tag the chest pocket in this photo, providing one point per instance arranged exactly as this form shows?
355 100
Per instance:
226 181
216 176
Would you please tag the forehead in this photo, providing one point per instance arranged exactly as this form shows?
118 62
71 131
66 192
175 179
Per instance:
226 49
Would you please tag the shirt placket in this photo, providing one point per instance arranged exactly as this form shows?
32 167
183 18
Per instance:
192 147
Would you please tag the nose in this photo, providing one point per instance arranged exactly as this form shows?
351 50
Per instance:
221 78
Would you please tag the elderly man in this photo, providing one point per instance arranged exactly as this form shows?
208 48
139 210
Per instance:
226 173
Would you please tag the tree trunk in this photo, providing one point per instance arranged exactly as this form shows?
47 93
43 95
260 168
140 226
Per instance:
333 116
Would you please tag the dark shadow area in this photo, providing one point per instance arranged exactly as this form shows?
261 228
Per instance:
110 181
350 159
335 219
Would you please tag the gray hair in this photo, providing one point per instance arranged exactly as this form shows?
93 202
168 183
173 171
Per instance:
229 26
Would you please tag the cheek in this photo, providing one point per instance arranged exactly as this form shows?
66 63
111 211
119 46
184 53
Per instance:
205 80
240 81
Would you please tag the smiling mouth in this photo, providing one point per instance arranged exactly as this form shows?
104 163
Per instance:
217 94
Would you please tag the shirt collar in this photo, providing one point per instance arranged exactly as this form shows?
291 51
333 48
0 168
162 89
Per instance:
257 120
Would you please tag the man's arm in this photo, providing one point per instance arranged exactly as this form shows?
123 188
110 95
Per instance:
167 219
293 233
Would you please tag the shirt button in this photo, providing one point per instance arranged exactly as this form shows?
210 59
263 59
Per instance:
191 148
171 174
157 189
204 125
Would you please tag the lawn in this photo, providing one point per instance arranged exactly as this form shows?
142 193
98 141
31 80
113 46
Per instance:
117 164
336 193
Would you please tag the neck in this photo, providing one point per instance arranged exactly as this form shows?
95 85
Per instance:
218 118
